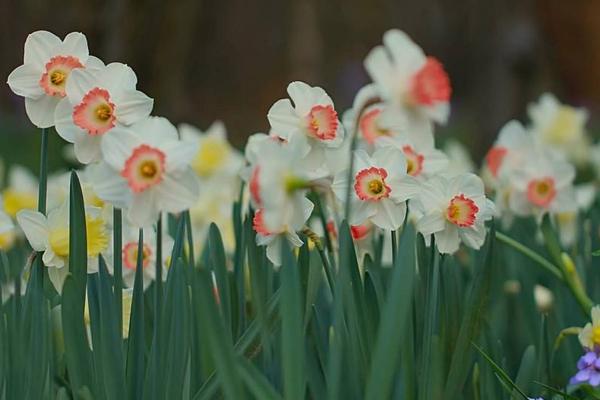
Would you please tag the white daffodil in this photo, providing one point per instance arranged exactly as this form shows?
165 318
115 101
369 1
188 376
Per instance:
129 254
415 83
568 221
146 170
216 158
272 238
47 66
459 159
21 192
560 127
279 182
50 235
311 119
589 337
7 230
423 160
97 103
544 183
380 188
453 210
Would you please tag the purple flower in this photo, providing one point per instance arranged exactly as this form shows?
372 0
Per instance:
589 370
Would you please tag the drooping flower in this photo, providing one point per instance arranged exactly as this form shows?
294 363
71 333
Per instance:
560 127
288 230
588 370
97 103
312 120
454 210
216 158
47 66
146 170
129 254
589 337
417 84
543 184
50 235
380 188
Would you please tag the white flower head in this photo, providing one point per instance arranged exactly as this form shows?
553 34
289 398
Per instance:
216 158
97 103
560 127
50 235
408 78
380 188
21 192
589 337
47 65
146 170
454 210
543 184
129 254
311 119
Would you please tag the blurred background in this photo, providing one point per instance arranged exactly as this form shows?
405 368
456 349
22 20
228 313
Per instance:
203 60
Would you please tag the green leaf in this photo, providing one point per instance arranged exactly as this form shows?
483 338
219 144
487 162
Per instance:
292 336
136 341
501 374
77 352
395 313
255 381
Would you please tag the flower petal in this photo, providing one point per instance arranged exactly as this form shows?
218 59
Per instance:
41 110
133 106
35 227
39 48
25 81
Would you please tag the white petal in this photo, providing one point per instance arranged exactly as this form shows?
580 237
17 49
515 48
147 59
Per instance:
283 118
75 44
447 241
431 222
473 236
87 148
179 192
406 188
57 277
305 97
274 251
35 227
25 81
361 211
109 185
79 83
406 54
143 211
389 215
133 106
380 69
117 77
63 122
118 145
39 48
94 63
155 131
41 110
179 155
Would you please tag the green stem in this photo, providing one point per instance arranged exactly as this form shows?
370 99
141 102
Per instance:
541 261
394 246
118 263
43 172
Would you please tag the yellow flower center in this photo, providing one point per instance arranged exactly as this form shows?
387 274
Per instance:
375 186
57 77
103 112
97 240
16 201
148 169
596 335
564 127
7 240
211 156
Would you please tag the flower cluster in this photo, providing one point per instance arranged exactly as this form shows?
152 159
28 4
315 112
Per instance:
388 133
132 161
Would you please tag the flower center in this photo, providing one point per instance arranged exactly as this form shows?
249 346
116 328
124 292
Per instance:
54 79
15 201
95 113
130 255
430 84
369 127
7 240
414 161
462 211
541 192
211 156
144 168
323 122
494 158
97 240
369 184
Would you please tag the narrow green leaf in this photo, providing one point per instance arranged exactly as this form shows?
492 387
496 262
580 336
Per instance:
136 344
255 381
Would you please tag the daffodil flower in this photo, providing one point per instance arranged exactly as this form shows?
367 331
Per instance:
47 65
97 103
